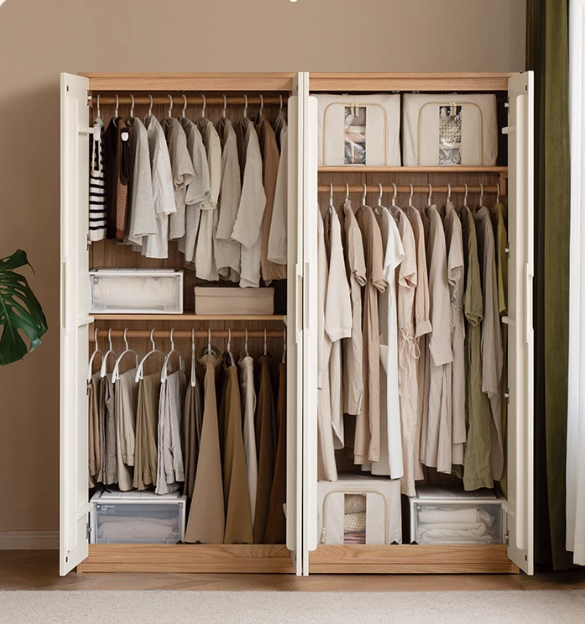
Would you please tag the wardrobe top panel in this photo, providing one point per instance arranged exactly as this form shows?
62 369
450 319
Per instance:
191 82
379 82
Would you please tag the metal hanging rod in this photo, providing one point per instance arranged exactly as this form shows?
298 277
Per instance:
199 333
192 100
404 188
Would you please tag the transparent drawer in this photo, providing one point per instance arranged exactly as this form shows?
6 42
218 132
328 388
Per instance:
136 291
138 521
456 520
233 300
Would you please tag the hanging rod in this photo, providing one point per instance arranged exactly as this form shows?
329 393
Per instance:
403 188
191 100
199 333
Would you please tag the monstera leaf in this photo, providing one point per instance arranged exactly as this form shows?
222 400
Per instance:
20 311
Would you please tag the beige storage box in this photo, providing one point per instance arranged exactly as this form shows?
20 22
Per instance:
233 300
452 516
359 129
449 130
359 510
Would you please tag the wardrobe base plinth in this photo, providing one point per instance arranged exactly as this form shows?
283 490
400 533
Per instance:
411 559
189 558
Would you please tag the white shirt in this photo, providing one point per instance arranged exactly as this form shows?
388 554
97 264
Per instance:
277 241
249 409
157 245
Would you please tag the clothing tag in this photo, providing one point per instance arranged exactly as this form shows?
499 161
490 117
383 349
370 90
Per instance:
125 136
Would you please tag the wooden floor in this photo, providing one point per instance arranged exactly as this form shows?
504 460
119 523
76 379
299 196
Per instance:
39 570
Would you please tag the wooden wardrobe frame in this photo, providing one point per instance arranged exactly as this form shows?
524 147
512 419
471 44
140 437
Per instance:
277 558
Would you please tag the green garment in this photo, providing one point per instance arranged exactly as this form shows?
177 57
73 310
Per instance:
548 56
499 216
477 471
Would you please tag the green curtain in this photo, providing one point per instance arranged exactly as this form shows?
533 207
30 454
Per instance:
548 56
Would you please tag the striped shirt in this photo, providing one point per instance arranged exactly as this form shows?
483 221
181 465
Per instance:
97 197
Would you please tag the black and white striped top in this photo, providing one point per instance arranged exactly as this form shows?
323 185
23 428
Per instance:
97 196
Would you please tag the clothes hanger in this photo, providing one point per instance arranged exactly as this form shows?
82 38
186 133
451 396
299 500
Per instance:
116 372
209 349
261 106
149 114
280 97
331 204
95 352
193 380
140 370
395 210
184 106
284 348
465 198
245 106
379 208
110 351
166 369
229 347
346 192
364 195
98 107
204 106
265 344
411 194
223 115
448 192
498 193
481 196
246 344
430 198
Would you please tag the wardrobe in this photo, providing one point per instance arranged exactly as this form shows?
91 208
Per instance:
512 178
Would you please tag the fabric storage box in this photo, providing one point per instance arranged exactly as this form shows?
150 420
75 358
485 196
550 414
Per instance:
138 291
359 510
359 129
233 300
452 516
450 130
137 518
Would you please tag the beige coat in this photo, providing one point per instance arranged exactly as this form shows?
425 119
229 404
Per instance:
206 522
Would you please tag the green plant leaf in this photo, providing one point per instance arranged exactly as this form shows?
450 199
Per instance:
20 311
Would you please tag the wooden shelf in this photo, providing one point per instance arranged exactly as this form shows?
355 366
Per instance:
181 318
452 169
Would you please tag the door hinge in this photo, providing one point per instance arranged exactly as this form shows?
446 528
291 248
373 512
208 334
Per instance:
506 538
88 534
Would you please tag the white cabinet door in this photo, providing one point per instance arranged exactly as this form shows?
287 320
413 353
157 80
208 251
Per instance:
310 280
520 311
74 505
294 366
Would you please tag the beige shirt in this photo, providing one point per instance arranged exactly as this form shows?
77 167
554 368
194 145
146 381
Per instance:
440 355
277 241
408 354
491 336
367 440
353 381
126 401
456 275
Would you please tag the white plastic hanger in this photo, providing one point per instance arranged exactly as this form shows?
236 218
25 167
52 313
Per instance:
170 105
149 114
224 107
132 107
411 194
465 198
193 362
116 372
481 196
110 351
331 204
204 106
209 348
265 343
280 97
284 348
184 106
98 106
347 192
245 105
246 344
448 192
229 347
139 371
261 106
379 208
117 105
364 196
166 369
498 194
430 198
394 195
95 352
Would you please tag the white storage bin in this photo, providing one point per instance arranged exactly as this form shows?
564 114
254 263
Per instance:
451 516
359 510
450 130
137 518
359 129
136 291
233 300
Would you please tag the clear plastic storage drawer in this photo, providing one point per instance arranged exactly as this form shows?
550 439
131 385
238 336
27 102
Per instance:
137 518
136 291
448 516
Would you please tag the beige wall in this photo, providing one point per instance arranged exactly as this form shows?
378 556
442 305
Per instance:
40 38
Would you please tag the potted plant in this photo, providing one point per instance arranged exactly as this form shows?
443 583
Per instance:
20 311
